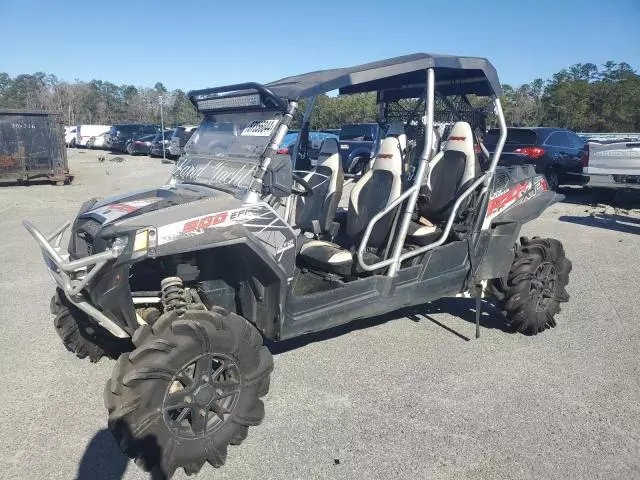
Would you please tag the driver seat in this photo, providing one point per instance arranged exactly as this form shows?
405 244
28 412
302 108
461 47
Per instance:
316 213
376 189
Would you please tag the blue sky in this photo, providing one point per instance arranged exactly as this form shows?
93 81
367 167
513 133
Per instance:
207 43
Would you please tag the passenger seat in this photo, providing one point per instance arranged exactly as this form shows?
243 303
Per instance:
448 177
372 193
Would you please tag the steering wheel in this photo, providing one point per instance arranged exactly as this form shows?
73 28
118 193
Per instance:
306 191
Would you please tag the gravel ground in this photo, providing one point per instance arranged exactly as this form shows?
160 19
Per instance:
400 396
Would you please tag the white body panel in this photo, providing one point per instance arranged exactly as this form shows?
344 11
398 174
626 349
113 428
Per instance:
609 161
85 132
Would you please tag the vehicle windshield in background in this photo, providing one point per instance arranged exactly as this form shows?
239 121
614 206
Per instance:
361 133
520 136
226 147
183 133
123 130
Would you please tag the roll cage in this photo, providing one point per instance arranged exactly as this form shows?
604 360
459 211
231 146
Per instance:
418 85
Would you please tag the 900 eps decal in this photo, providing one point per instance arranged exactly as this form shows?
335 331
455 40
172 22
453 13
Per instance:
197 225
275 235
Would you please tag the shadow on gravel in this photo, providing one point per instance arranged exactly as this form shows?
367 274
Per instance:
102 459
576 196
32 183
463 308
615 222
583 196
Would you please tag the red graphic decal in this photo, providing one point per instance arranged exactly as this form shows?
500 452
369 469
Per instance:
543 184
205 222
191 226
123 207
506 198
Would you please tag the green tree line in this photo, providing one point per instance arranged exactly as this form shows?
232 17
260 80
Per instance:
583 97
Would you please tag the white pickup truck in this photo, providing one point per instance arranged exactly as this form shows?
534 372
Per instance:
612 164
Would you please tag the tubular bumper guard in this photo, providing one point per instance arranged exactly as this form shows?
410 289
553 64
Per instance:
73 276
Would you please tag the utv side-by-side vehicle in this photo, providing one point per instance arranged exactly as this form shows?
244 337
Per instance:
184 281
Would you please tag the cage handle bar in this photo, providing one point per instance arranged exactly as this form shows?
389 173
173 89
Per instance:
418 251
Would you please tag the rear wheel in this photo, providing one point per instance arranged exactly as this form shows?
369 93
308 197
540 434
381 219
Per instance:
190 388
130 149
535 286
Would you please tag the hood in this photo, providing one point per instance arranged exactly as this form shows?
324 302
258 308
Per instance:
137 203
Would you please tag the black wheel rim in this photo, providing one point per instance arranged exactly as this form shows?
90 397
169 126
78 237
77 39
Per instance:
552 180
202 395
543 285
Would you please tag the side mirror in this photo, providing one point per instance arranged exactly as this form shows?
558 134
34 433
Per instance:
278 179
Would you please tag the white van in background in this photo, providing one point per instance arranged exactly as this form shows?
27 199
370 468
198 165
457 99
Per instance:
85 132
70 136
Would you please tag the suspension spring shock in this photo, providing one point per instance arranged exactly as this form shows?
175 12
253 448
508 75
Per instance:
173 295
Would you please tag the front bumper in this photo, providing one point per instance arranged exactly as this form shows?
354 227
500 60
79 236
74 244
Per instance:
72 276
116 144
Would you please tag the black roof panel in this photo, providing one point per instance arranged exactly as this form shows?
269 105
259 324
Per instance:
454 75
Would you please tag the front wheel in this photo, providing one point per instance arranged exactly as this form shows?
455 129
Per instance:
190 388
80 335
536 284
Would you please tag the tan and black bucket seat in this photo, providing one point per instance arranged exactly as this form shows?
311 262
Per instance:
449 176
377 188
316 213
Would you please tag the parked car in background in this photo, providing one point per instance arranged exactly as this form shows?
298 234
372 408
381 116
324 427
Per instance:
555 152
357 142
181 136
315 143
119 135
612 165
141 145
156 144
70 136
85 132
603 137
97 142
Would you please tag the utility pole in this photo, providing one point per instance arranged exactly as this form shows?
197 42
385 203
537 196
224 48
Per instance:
161 99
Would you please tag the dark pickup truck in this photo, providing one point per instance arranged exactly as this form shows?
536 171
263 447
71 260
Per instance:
357 142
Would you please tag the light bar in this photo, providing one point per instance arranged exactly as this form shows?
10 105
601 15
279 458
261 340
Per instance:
219 103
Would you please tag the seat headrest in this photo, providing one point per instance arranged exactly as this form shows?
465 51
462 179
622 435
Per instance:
461 139
329 146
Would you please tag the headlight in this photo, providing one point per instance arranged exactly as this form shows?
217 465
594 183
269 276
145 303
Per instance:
145 240
118 245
